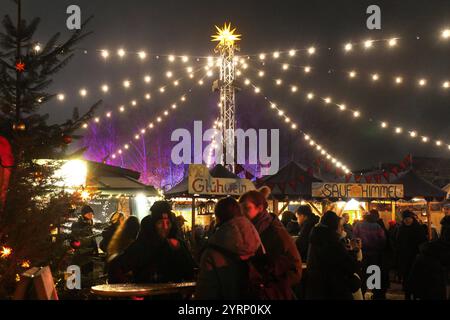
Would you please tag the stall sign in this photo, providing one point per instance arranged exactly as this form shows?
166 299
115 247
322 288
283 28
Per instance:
201 182
357 190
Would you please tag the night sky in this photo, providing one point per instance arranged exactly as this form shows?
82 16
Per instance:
185 27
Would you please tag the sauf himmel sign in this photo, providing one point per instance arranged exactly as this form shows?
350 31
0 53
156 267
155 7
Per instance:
201 182
357 190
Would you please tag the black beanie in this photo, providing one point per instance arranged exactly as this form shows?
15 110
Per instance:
160 207
86 209
331 220
407 214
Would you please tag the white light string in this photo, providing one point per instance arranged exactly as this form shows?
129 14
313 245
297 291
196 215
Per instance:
356 113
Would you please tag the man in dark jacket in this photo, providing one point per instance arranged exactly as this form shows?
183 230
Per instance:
428 279
331 267
278 244
307 220
410 236
223 274
84 243
157 255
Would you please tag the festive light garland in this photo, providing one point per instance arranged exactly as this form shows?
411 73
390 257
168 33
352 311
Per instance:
310 95
347 47
135 101
318 147
397 80
155 121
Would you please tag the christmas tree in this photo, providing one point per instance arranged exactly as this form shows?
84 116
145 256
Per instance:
33 209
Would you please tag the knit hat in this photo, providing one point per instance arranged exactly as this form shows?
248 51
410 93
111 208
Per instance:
160 207
331 220
407 214
86 209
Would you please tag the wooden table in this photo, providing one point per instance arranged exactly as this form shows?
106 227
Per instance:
141 290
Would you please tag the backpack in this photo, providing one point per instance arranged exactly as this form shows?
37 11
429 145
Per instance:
264 276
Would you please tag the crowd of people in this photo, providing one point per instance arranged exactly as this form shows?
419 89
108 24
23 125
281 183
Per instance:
250 253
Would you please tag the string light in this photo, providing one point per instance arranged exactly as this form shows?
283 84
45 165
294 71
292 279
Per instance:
307 69
352 74
169 74
368 44
392 42
294 88
83 92
422 82
121 53
61 97
413 134
398 80
105 88
105 54
446 84
311 50
142 55
147 79
310 96
357 114
37 48
171 58
279 82
445 33
262 56
375 77
348 47
276 55
127 84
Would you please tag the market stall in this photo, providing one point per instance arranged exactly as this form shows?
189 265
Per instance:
201 188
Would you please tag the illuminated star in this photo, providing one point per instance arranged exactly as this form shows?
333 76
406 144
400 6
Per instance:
20 66
226 36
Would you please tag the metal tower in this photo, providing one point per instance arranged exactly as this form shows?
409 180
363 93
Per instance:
226 49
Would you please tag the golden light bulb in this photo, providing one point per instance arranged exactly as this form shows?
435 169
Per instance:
375 77
171 58
105 88
413 134
422 82
147 79
134 103
142 55
384 125
292 52
169 74
37 48
273 105
307 69
121 108
352 74
425 139
368 44
276 55
294 88
307 137
348 47
83 92
262 56
446 85
327 100
445 33
398 80
279 82
310 96
342 107
247 82
398 130
121 53
356 114
439 143
126 83
61 97
184 59
257 90
285 66
162 89
105 54
392 42
148 96
261 73
311 50
294 126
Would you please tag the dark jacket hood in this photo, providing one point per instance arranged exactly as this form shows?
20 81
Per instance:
322 234
238 236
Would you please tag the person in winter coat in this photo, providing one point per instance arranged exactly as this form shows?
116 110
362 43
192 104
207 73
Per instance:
307 220
332 268
410 236
289 221
428 279
278 244
86 246
373 239
222 274
115 220
124 236
157 255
